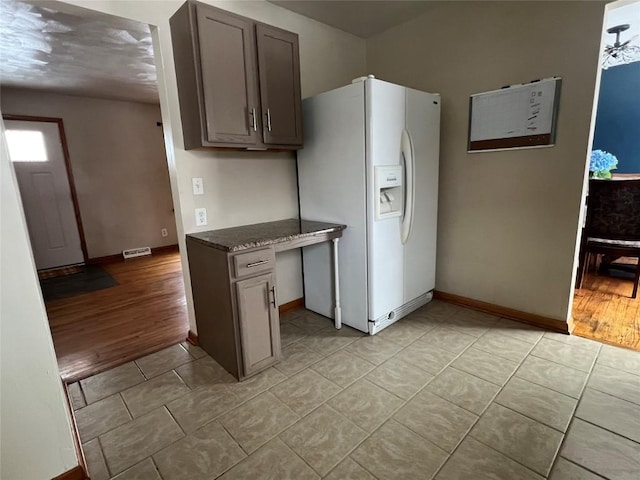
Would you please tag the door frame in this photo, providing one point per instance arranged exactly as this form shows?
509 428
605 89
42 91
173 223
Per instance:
67 164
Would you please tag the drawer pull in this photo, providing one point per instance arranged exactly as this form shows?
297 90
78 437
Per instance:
255 264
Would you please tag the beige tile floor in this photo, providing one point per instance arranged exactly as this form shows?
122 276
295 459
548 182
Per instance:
446 393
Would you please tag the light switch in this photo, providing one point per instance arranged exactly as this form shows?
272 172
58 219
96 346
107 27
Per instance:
198 186
201 217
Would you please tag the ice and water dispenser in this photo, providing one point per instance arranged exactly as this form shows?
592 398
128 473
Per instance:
388 192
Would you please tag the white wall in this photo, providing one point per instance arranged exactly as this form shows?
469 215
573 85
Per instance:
508 221
119 167
241 187
35 438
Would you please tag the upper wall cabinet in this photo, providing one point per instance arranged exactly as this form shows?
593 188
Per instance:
238 80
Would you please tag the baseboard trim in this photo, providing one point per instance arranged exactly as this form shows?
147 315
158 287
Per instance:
79 472
118 256
192 338
510 313
105 260
165 249
76 473
296 304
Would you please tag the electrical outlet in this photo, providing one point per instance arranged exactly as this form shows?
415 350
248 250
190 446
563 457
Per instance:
201 217
198 186
164 232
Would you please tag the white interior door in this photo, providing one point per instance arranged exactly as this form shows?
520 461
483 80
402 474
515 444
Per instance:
38 157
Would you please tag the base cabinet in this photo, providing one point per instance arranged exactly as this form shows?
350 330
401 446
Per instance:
235 302
259 324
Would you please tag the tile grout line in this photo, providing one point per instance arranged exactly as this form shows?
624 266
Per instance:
466 409
403 401
573 417
518 461
485 410
155 467
605 428
84 397
390 417
135 362
174 420
246 455
163 406
545 386
150 456
558 363
450 365
298 456
581 466
97 437
104 458
514 375
617 434
369 434
612 394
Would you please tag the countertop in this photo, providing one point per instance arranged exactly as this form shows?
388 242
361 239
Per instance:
262 234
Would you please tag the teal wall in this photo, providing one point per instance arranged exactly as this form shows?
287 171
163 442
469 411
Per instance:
618 116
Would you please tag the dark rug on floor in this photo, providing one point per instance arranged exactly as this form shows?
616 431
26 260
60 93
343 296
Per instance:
90 279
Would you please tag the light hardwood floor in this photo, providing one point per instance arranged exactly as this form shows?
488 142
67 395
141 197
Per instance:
146 312
604 310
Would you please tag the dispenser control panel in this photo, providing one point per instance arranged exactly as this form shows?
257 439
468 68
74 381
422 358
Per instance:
388 194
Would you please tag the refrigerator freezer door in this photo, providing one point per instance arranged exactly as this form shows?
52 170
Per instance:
331 184
423 127
385 123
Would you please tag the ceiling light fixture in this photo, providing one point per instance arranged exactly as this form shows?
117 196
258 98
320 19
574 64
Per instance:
620 53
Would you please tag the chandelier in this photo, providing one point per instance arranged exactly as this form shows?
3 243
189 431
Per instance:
620 53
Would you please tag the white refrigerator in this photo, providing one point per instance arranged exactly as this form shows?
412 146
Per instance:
370 161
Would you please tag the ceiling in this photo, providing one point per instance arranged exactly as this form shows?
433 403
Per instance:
84 52
56 47
79 51
363 18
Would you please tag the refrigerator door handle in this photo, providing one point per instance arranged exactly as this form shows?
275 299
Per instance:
406 148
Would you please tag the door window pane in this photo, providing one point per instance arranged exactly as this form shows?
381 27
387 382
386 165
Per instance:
26 146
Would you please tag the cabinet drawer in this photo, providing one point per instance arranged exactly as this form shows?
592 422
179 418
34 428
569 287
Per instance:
250 263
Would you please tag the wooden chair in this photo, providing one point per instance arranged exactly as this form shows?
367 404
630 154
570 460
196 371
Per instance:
613 224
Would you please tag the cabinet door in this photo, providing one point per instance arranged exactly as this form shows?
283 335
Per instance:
229 86
259 324
279 69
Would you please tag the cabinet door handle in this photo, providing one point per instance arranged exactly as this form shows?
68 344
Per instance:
275 301
253 120
255 264
268 119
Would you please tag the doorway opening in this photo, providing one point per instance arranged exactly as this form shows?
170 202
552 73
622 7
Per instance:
606 304
38 150
83 125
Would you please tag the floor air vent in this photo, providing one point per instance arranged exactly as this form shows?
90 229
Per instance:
136 252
